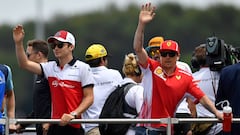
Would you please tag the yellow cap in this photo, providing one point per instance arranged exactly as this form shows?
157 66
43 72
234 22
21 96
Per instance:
155 41
95 51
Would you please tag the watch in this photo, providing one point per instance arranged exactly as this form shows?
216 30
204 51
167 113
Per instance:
74 114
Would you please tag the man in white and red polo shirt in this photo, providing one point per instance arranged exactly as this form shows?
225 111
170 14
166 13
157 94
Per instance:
70 80
169 83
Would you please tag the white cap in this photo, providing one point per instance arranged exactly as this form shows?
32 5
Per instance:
63 36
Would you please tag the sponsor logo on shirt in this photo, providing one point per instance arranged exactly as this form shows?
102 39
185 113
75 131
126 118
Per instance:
38 81
178 77
158 71
104 83
62 84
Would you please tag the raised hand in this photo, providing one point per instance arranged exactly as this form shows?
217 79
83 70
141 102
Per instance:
147 13
18 34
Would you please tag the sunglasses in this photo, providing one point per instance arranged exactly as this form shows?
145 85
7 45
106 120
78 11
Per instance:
170 54
58 44
154 52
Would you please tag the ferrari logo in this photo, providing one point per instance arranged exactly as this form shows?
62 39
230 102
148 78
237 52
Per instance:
169 43
178 77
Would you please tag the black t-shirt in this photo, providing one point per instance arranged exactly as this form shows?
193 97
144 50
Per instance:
41 98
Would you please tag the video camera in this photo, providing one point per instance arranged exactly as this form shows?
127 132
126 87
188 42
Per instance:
219 54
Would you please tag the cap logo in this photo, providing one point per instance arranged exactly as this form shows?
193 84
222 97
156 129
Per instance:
169 43
61 34
102 51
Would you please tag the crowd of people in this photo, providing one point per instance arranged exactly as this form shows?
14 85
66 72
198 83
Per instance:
68 88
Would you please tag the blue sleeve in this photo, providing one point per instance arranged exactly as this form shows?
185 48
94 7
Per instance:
9 83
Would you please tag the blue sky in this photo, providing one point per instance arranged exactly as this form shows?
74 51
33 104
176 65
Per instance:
17 11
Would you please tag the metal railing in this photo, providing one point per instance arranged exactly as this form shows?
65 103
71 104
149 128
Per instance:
168 121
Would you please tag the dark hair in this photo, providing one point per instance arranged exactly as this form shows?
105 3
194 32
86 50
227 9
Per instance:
96 62
199 56
39 46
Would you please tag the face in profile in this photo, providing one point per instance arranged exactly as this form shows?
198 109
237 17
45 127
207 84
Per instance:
31 54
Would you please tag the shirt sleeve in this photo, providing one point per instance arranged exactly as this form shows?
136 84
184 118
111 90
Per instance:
195 90
9 84
139 98
86 75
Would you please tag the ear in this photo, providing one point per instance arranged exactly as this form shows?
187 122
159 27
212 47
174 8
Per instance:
72 47
39 54
178 57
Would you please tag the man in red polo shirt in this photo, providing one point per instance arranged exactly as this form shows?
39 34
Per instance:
169 83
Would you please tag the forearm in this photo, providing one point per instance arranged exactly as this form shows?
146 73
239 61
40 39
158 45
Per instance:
85 104
87 101
138 44
139 38
20 53
10 102
208 104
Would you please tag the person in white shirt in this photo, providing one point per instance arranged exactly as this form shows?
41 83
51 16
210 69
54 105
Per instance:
133 74
208 82
106 80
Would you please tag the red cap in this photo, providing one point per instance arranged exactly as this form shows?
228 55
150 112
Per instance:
62 36
170 45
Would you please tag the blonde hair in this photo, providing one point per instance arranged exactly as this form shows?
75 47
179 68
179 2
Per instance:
130 65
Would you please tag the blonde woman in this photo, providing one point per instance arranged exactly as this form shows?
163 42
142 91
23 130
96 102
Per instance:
133 74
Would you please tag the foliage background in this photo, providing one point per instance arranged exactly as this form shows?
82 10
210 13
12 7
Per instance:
115 29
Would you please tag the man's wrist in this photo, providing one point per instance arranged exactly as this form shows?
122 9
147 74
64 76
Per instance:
74 114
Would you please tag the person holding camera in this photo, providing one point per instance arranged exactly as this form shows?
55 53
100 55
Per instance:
207 80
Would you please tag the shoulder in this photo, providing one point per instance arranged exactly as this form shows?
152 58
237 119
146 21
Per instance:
136 90
5 69
132 85
184 72
139 88
114 71
48 63
107 71
81 63
182 63
231 68
184 66
152 64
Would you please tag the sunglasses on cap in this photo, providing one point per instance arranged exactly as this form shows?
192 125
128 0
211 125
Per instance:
58 44
169 53
153 52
